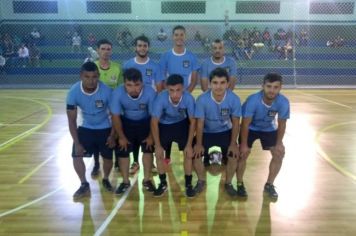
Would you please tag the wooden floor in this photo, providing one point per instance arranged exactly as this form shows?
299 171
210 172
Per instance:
316 184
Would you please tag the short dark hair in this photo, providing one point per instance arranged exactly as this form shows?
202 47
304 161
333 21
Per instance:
89 66
219 72
218 41
132 74
174 79
272 77
103 41
178 27
142 38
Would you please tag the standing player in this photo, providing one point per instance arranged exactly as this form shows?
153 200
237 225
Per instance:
131 105
180 61
173 121
260 112
151 76
111 75
218 59
95 133
218 113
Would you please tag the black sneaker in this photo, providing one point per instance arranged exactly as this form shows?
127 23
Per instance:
162 188
241 190
107 186
95 171
82 191
189 191
122 188
270 190
148 185
200 186
230 190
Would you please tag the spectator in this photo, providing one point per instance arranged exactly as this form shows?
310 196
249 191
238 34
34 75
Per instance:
288 49
304 37
248 50
68 38
266 38
23 54
8 49
34 55
35 35
197 36
91 40
2 64
76 42
162 36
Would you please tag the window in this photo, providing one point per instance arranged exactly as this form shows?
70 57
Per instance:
257 7
183 7
108 7
331 8
35 7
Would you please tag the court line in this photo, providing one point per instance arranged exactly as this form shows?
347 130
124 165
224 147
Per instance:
114 211
35 170
30 203
5 124
326 157
24 134
327 100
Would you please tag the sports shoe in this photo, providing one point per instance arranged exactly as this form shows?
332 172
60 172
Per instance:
148 185
270 190
199 187
154 169
189 191
107 186
162 188
230 190
134 168
167 160
123 187
95 171
241 190
82 191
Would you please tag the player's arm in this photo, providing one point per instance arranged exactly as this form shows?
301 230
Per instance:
244 149
199 148
233 148
189 146
232 82
72 123
204 83
193 81
117 123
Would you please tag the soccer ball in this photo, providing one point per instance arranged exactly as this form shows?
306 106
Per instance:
215 155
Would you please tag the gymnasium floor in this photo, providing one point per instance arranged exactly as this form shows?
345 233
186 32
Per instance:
316 183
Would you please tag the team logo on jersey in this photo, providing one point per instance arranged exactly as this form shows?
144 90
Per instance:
224 111
182 111
272 113
186 64
142 106
99 103
149 72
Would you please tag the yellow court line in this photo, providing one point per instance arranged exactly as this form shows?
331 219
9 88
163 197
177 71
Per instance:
326 157
326 100
26 133
35 170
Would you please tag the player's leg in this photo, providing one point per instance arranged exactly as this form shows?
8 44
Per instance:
124 163
107 154
96 168
135 166
168 154
268 142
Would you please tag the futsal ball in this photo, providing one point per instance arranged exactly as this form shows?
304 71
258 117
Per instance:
215 155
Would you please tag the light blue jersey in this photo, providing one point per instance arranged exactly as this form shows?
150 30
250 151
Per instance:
170 113
150 70
94 107
264 116
217 115
182 64
132 108
208 65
